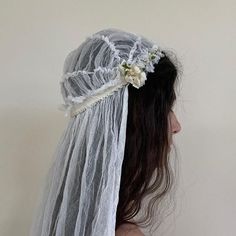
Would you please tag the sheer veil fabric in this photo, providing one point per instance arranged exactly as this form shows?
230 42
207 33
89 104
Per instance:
80 194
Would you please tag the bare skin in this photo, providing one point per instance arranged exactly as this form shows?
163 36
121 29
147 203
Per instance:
174 123
128 230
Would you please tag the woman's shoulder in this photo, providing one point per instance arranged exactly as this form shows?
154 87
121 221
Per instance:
128 230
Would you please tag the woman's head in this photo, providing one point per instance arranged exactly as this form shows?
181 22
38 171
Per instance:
150 126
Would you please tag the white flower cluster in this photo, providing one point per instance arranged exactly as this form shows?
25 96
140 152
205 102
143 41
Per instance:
133 74
136 73
148 59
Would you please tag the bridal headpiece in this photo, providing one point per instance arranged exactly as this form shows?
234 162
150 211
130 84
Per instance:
127 72
82 190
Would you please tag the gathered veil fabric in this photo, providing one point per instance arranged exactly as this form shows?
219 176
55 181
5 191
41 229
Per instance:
80 194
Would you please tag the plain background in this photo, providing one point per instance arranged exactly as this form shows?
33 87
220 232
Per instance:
35 38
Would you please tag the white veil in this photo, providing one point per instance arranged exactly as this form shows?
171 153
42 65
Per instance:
80 195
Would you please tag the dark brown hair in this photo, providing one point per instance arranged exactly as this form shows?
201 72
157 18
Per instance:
147 142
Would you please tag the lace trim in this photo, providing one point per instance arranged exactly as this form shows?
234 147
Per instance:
79 104
131 53
75 73
109 43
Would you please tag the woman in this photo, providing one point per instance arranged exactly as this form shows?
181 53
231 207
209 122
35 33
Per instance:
118 88
148 141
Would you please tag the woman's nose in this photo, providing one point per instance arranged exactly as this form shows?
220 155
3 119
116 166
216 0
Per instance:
176 127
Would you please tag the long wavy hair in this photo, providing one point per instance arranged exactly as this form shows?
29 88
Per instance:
147 142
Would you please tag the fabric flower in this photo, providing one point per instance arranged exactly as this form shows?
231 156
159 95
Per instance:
133 74
148 58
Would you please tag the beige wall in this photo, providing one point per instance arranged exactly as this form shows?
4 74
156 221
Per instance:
35 38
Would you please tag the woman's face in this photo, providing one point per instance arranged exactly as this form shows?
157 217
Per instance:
174 125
